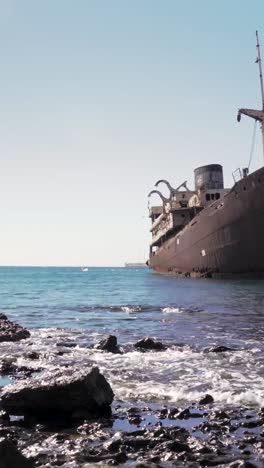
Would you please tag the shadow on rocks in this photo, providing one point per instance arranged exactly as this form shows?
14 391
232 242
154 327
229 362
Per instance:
10 457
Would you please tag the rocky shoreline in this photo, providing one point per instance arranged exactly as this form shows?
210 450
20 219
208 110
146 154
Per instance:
70 418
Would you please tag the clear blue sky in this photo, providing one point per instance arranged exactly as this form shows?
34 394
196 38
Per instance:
98 100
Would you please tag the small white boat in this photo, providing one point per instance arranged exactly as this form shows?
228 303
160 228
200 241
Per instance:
84 269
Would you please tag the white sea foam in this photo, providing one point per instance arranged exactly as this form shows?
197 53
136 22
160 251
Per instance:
177 374
130 309
172 310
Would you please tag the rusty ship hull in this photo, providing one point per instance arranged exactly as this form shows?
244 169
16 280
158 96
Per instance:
225 238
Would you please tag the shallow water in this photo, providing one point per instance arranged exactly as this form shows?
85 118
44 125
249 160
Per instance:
66 304
5 381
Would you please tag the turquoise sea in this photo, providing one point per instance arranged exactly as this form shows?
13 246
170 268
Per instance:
64 306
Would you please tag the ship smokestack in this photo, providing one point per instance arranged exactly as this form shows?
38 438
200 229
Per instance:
209 177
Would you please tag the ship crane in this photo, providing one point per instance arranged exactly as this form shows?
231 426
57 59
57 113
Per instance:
258 115
172 190
165 200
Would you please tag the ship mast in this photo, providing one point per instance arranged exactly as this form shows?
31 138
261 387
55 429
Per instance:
258 60
258 115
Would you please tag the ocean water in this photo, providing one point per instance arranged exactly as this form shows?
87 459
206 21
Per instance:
69 310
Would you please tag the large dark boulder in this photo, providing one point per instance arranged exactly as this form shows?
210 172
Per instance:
149 344
10 457
61 393
10 331
206 400
109 344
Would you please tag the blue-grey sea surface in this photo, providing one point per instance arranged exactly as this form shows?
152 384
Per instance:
67 305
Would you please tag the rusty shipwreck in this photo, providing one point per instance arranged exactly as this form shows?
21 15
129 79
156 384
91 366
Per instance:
212 231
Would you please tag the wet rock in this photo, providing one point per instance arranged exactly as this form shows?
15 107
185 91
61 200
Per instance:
67 344
197 415
219 349
136 420
163 413
109 344
10 457
136 442
205 449
7 367
169 413
184 414
174 446
95 456
147 464
10 331
120 457
4 417
3 317
156 441
158 435
24 371
139 432
59 393
243 464
252 424
98 441
149 344
133 410
172 412
114 443
220 414
206 400
208 427
32 355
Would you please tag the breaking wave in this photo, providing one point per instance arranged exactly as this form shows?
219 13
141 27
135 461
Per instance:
182 373
130 308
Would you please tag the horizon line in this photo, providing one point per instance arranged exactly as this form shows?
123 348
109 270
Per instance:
61 266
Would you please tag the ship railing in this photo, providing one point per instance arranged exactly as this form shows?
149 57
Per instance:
237 175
